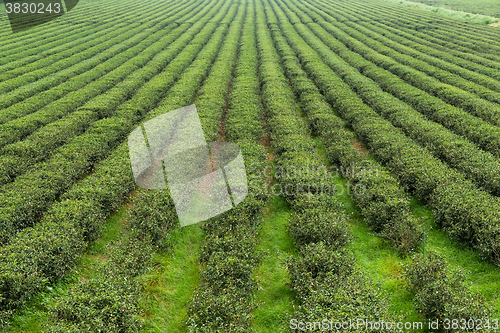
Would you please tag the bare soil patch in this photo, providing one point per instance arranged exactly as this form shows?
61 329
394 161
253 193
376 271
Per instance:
359 146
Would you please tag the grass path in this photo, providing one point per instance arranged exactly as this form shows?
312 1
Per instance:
482 275
168 287
35 314
173 281
375 255
384 264
275 298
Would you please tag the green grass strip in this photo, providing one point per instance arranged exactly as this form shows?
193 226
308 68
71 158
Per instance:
274 297
32 317
171 285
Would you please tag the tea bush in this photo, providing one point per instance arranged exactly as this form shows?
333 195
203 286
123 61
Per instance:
441 293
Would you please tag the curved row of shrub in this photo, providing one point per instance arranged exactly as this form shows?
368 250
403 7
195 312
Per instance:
18 157
404 21
450 90
38 256
153 215
33 192
46 88
70 37
487 62
442 27
464 211
29 35
470 67
467 101
471 41
479 166
446 71
17 95
40 93
65 230
224 300
418 44
89 88
443 44
16 75
384 205
10 44
436 294
20 71
25 101
94 45
108 301
325 269
485 135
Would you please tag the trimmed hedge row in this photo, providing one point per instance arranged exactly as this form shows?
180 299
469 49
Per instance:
441 293
383 203
245 107
224 300
487 110
322 269
443 44
17 73
32 85
18 43
41 143
90 88
464 211
479 166
23 274
469 70
18 157
108 302
32 193
480 63
67 57
40 93
325 270
468 31
153 215
478 84
30 35
17 48
485 135
471 42
45 253
386 20
442 26
15 68
467 101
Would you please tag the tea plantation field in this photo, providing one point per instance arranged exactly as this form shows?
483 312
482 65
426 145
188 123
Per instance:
370 133
485 7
